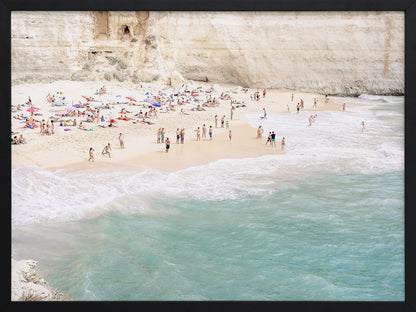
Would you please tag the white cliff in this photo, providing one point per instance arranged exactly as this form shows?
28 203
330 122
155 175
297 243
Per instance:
326 52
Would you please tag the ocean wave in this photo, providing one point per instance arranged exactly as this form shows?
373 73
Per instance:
333 145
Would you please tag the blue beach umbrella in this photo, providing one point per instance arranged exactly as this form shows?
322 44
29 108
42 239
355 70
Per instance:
118 95
156 104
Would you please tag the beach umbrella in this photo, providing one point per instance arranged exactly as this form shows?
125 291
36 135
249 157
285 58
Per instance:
130 98
70 109
78 106
148 93
156 104
149 100
118 95
33 109
86 97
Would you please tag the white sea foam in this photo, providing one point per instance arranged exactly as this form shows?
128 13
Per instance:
334 144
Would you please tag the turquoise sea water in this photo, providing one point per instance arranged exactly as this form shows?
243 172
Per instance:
322 222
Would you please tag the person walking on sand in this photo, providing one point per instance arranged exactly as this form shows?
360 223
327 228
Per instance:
210 133
167 144
222 121
273 139
264 113
159 135
363 126
292 97
177 135
343 107
229 135
283 144
297 108
121 139
107 150
264 93
232 113
216 121
314 103
91 154
182 135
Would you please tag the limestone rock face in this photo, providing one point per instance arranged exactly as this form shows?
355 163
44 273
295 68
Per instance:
328 52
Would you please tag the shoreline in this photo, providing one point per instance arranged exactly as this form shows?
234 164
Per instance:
69 149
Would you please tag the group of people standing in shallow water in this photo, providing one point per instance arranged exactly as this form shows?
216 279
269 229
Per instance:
271 138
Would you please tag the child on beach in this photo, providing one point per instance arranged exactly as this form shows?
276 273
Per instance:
265 114
159 135
177 135
229 135
167 144
106 150
216 121
22 139
163 135
227 125
91 154
283 144
210 133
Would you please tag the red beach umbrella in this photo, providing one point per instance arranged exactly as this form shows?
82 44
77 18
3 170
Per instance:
130 98
86 97
32 109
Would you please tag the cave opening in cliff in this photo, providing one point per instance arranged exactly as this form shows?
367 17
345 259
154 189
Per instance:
126 30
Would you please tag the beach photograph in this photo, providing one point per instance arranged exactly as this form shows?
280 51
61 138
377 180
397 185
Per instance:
207 156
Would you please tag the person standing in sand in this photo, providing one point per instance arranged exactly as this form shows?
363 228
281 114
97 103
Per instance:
222 121
91 154
167 144
363 126
182 135
273 139
121 139
314 103
163 135
159 135
204 131
264 113
229 135
269 138
283 144
210 133
216 121
343 107
198 134
259 132
297 108
232 113
107 150
177 135
292 97
264 93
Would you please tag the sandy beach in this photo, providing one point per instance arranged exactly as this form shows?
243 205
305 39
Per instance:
68 147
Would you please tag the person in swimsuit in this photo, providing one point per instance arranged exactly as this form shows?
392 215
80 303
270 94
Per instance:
269 138
91 154
159 135
167 144
210 133
216 121
198 134
283 143
204 131
177 135
121 139
363 126
106 150
265 114
273 139
222 121
163 135
229 135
